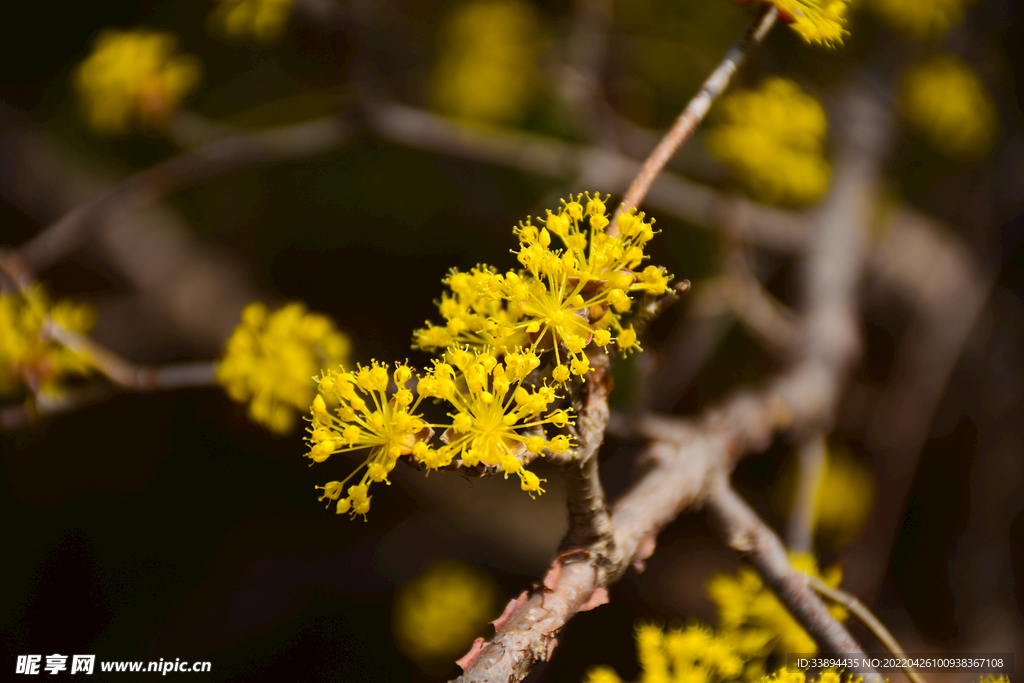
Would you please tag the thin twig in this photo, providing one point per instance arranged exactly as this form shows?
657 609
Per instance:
800 533
130 376
864 615
698 107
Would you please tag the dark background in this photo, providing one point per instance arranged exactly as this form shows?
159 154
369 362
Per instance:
168 525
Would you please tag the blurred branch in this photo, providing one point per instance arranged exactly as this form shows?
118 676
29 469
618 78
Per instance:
698 107
221 156
589 166
761 313
130 376
811 465
870 621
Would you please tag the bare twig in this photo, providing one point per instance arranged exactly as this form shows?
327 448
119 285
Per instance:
864 616
749 536
811 465
131 376
698 107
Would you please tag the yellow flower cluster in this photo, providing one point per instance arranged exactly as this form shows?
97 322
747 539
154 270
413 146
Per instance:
752 625
949 105
438 613
271 358
816 21
748 609
487 69
134 78
488 377
28 358
697 654
261 20
920 18
773 140
578 282
796 676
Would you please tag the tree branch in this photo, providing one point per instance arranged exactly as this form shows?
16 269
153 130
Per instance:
698 107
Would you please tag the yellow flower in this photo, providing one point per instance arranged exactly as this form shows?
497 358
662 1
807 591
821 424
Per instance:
134 77
28 358
271 358
817 21
570 295
845 498
920 18
488 68
437 614
496 419
950 106
773 139
475 315
356 411
262 20
695 654
748 609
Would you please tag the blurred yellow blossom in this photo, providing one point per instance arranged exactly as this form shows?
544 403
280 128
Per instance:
261 20
271 359
438 613
694 654
950 106
773 139
749 610
817 21
134 78
919 18
845 499
28 358
487 70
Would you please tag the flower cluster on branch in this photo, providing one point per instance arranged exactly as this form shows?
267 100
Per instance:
498 402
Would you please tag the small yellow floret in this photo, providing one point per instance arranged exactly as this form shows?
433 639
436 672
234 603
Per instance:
271 358
28 358
134 77
946 101
262 20
773 139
